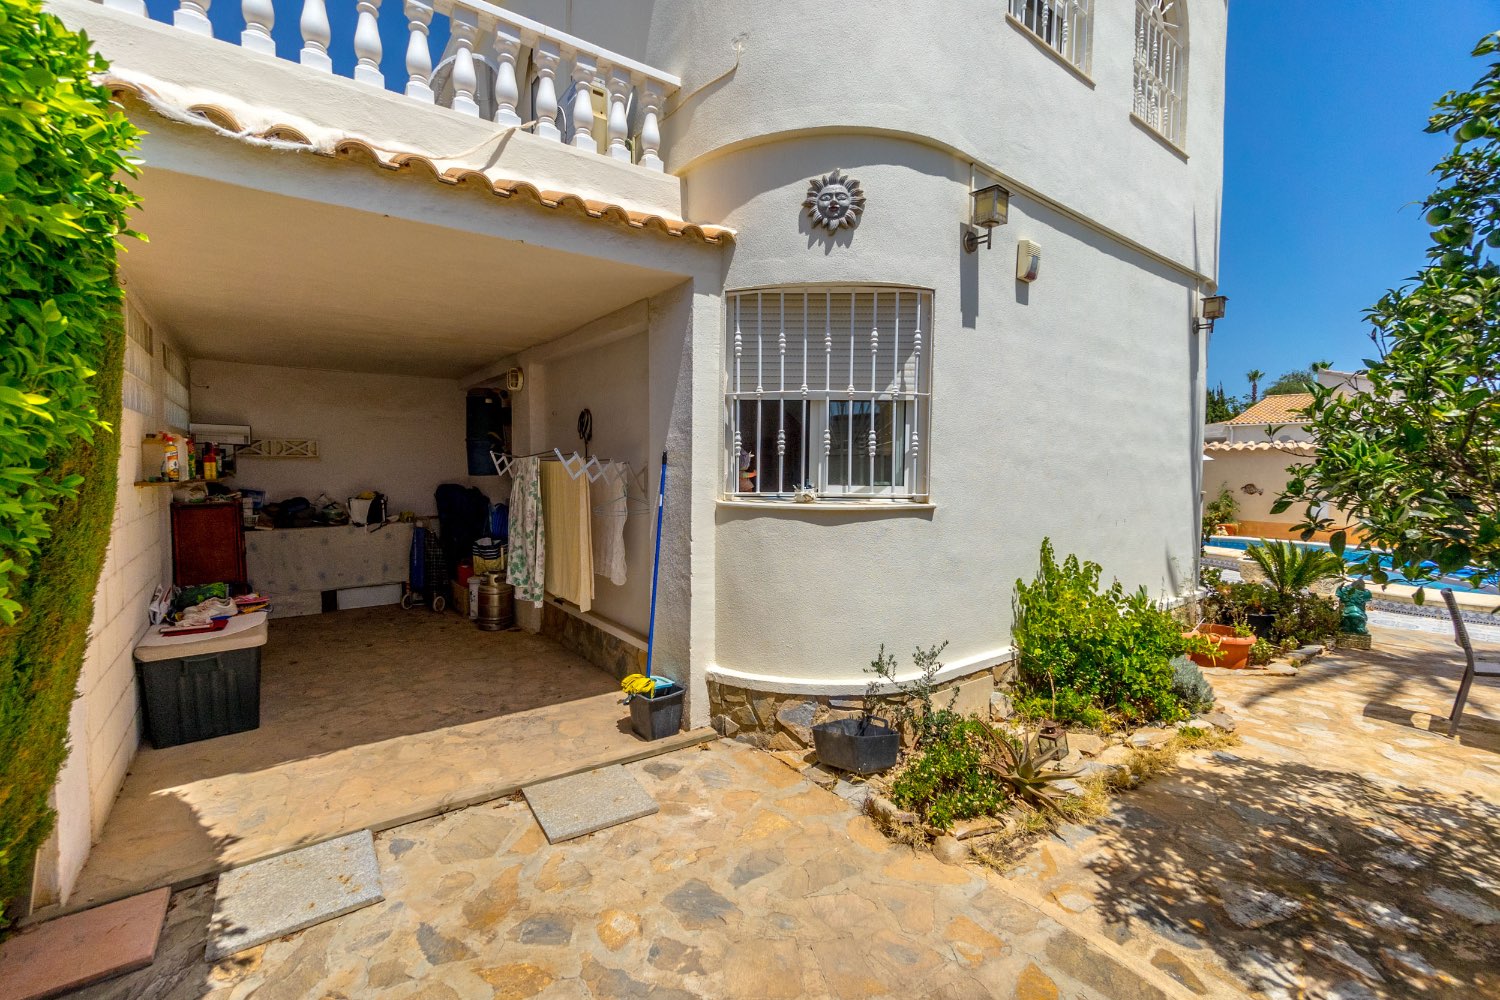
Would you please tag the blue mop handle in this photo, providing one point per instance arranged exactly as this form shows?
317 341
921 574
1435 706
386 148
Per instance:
661 496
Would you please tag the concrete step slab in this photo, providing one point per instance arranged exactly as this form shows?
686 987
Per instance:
82 948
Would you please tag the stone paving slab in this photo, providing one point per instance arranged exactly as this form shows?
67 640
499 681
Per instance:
750 882
291 892
82 948
585 803
1345 849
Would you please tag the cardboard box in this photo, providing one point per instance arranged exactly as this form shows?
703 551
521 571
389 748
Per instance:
461 598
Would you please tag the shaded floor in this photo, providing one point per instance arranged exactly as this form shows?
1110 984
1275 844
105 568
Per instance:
751 882
369 718
1341 850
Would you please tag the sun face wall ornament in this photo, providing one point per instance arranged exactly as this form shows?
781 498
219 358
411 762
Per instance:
834 202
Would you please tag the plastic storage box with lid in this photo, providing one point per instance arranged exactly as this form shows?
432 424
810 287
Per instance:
195 687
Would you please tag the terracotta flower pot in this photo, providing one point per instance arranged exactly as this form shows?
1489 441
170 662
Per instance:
1230 651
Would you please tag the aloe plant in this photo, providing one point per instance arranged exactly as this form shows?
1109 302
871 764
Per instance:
1291 569
1017 765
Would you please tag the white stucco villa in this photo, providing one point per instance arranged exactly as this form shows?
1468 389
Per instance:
763 238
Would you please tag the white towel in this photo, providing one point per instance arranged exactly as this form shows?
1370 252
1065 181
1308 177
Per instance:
607 494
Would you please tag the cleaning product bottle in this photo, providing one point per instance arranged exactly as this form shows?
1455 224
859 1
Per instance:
171 467
210 464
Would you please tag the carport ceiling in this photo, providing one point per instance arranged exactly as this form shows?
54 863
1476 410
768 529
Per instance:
236 274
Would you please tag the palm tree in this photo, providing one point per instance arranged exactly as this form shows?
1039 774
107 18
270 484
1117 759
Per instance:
1254 375
1291 568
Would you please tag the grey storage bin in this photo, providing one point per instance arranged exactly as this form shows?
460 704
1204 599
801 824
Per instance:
201 687
198 697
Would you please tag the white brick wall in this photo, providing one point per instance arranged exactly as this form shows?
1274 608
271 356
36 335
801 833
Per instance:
105 726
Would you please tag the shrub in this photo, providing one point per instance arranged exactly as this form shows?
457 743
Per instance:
1291 569
947 781
1222 509
910 702
1190 686
1305 618
62 206
1065 705
1262 653
1110 648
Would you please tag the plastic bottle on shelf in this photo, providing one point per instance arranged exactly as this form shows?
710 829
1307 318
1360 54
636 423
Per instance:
210 464
171 466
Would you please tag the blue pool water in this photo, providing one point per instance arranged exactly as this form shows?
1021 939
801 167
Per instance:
1466 579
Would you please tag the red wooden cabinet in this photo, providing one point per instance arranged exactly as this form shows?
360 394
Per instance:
208 545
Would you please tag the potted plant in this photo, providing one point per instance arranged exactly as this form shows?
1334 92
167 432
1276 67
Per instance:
1227 646
861 746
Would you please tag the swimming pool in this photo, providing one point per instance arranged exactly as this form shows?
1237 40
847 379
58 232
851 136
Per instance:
1466 579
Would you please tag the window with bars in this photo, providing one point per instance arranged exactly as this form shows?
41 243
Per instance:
1065 26
1160 68
827 390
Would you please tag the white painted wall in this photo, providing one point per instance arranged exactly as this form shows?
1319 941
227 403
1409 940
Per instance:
400 435
611 381
105 727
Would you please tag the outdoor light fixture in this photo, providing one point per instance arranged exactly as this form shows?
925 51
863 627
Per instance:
991 207
1213 308
1051 741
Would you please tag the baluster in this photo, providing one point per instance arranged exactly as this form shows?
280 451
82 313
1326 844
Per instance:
128 6
192 15
584 70
507 92
619 97
418 52
259 16
367 44
316 35
650 137
464 23
547 54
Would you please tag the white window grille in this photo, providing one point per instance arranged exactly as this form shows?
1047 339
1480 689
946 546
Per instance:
1065 26
1160 72
827 389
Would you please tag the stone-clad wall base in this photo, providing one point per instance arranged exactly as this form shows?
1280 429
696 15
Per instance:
774 721
605 651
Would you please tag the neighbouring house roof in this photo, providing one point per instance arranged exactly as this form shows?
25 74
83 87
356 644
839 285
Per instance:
289 137
1304 448
1276 410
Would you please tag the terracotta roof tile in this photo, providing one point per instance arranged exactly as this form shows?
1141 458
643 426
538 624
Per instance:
1303 448
1280 409
352 147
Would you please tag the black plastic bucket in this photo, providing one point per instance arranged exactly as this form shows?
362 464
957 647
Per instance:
658 717
861 746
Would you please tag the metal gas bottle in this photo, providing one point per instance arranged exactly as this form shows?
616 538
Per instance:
494 604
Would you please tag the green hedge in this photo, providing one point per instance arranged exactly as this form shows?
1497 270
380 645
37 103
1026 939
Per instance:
62 207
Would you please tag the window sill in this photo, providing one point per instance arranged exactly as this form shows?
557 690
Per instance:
1057 56
831 506
1152 131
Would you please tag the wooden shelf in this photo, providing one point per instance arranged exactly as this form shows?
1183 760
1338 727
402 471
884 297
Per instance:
177 482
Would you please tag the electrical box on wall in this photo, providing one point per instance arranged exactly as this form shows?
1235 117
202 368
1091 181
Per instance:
514 380
1028 261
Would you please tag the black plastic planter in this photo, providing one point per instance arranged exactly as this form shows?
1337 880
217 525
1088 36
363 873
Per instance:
1261 625
658 717
860 746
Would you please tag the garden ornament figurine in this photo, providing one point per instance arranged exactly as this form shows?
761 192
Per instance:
1352 600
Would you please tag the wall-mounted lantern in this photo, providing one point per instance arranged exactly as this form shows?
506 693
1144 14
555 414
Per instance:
991 207
1213 308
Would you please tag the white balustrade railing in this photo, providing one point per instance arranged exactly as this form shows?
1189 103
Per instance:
497 64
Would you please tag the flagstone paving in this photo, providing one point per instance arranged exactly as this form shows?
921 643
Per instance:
1342 850
750 882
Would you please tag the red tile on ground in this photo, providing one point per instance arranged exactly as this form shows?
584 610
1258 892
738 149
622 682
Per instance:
82 948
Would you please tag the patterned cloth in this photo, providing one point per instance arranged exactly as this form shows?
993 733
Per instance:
526 567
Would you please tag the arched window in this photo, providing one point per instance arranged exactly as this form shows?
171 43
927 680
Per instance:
1065 26
1161 67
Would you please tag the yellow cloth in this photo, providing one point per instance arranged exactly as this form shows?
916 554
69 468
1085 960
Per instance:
567 517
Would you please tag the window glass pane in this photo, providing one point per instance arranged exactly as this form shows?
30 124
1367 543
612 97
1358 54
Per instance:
763 468
849 463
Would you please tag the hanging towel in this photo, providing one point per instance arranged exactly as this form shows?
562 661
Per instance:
570 552
607 494
528 537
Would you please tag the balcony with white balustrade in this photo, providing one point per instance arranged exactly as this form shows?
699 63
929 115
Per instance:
470 86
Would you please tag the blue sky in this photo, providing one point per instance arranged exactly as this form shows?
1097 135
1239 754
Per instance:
1324 155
